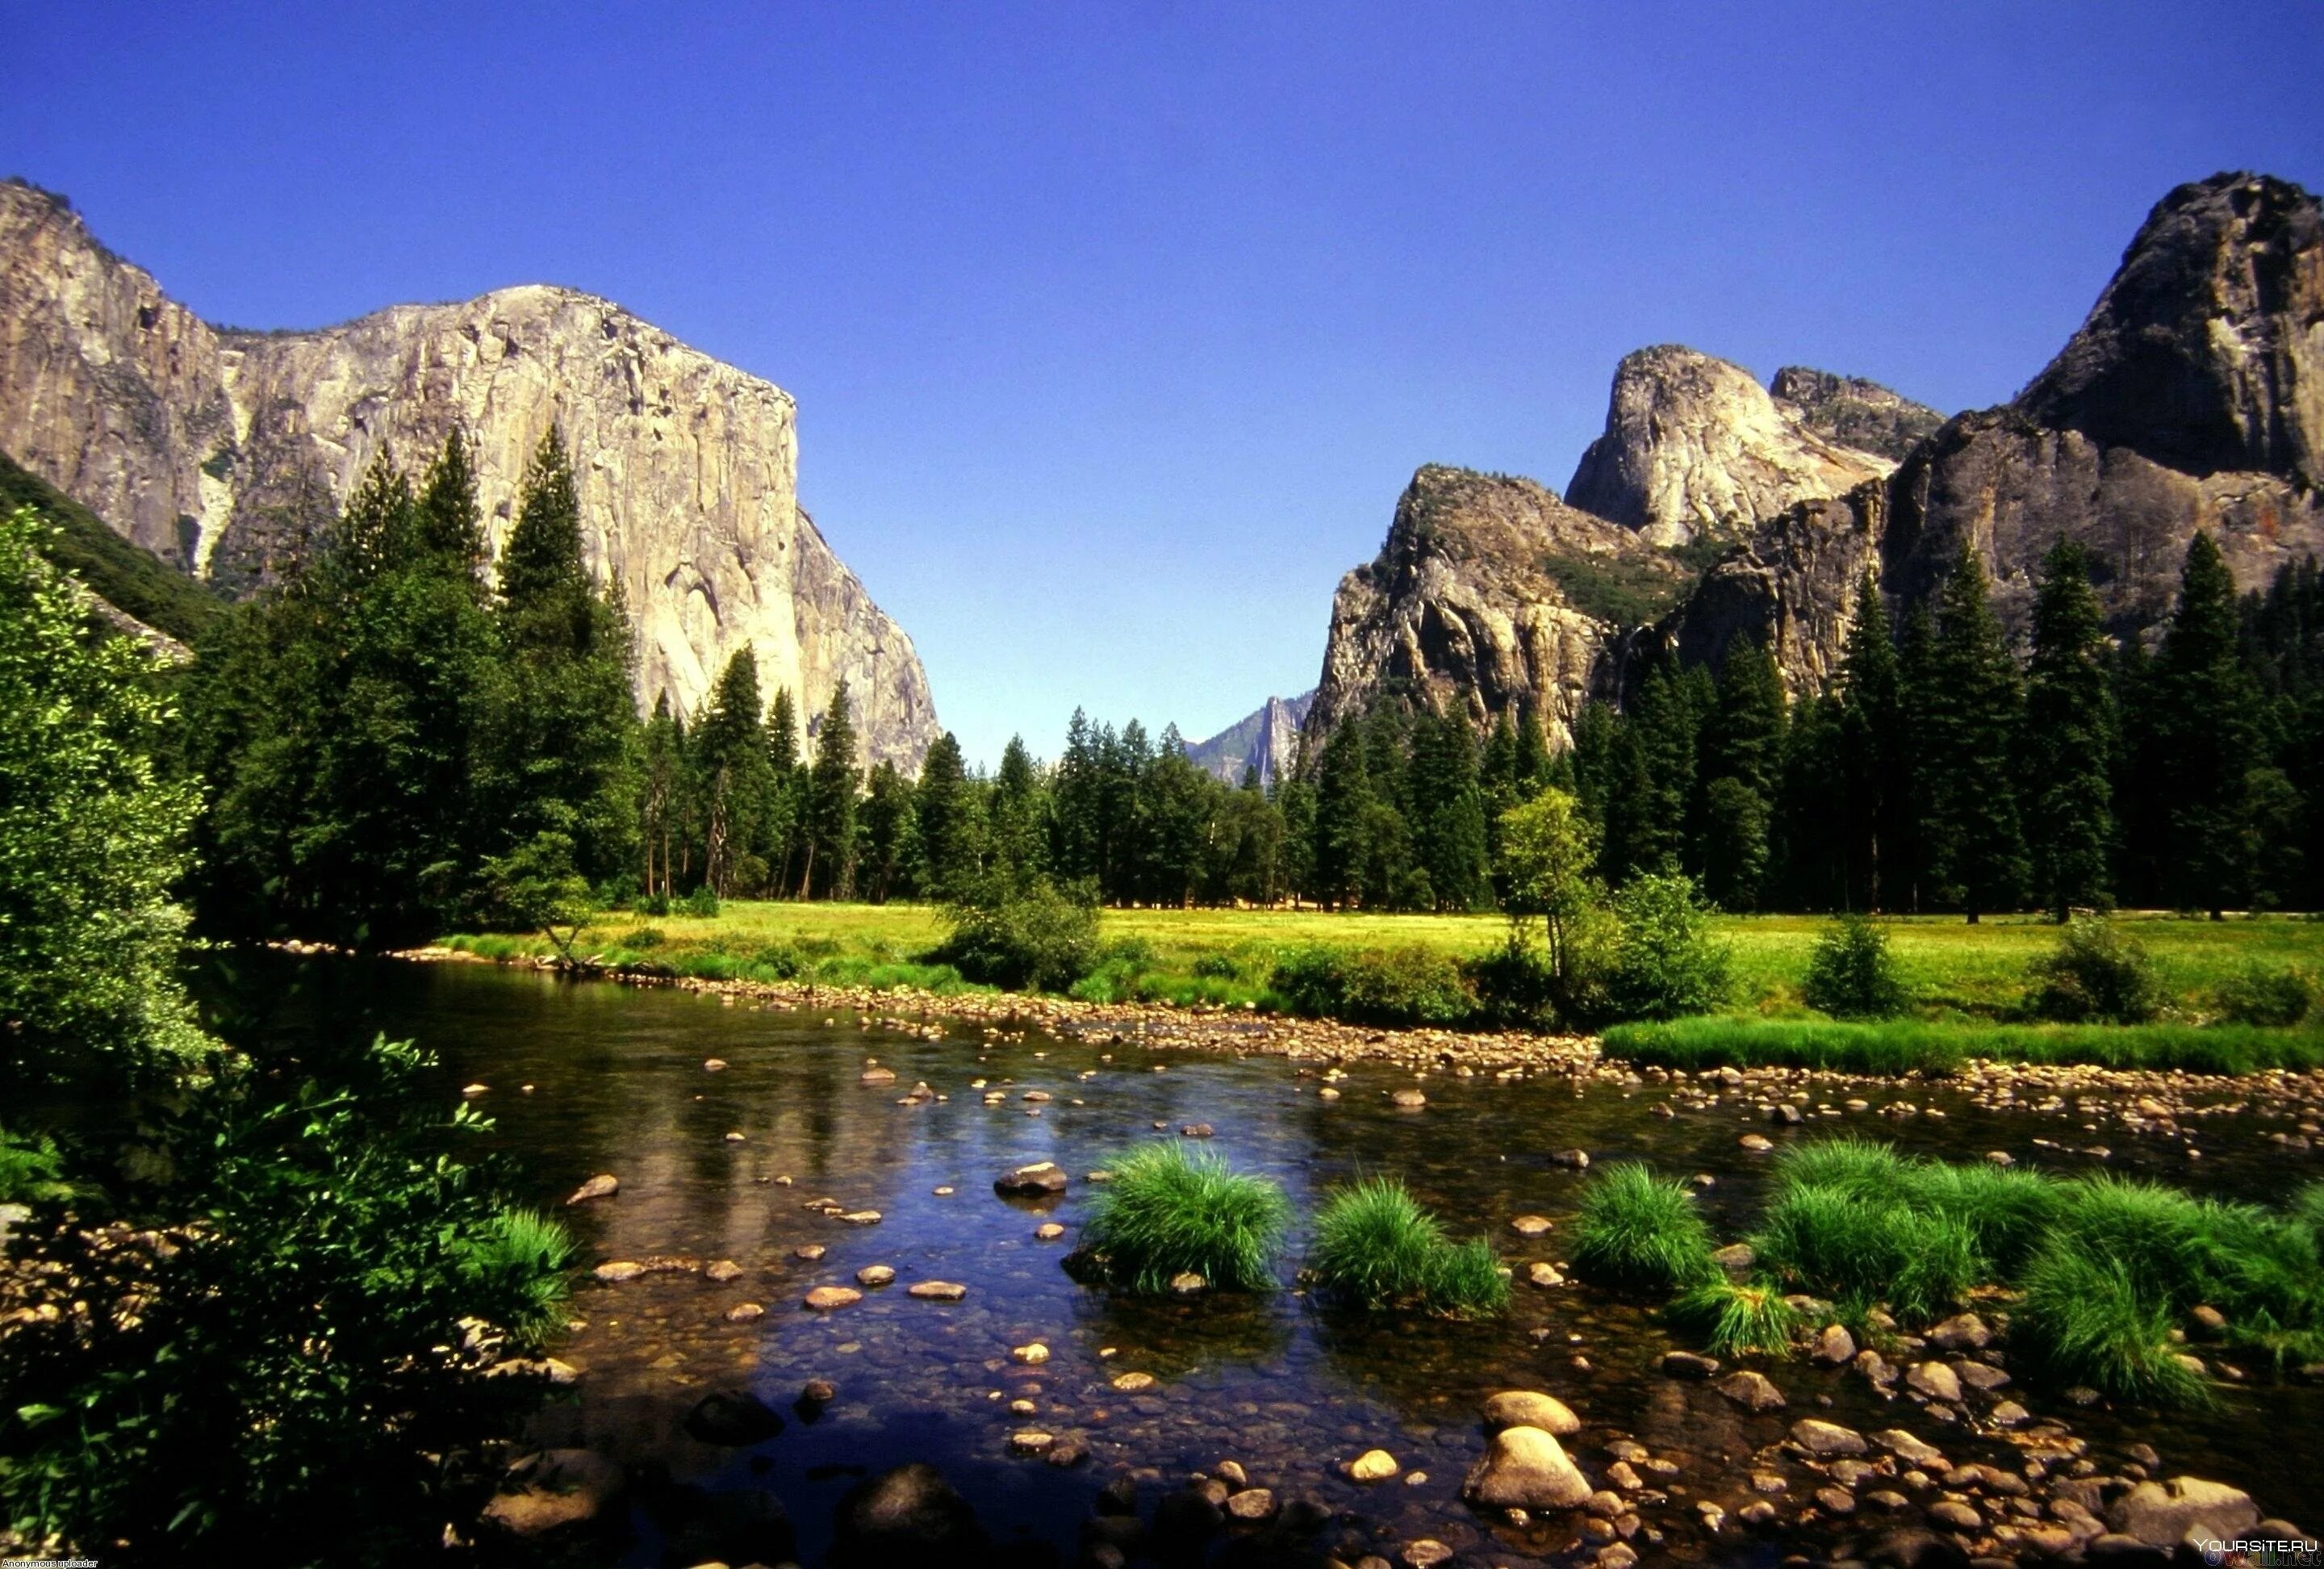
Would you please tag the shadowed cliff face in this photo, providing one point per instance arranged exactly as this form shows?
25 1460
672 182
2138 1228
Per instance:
227 452
2191 399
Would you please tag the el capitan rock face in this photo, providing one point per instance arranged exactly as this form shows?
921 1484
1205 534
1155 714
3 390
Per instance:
225 452
1695 447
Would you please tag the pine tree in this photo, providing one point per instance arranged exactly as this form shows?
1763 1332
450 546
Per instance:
945 808
732 776
1016 830
1741 754
1876 824
1177 802
831 798
888 830
2203 720
1977 848
779 829
1448 812
2069 738
1343 803
1808 859
449 524
1917 686
660 815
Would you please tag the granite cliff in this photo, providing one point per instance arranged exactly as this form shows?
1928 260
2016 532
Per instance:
1267 740
224 451
2192 398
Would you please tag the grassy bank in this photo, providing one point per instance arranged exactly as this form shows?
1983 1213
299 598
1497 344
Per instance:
1912 1046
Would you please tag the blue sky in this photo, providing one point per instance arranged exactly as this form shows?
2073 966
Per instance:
1117 328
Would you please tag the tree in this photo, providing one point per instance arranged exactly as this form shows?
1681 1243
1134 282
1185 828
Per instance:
888 831
1448 812
1342 819
2201 722
951 848
92 836
731 774
830 792
661 811
780 823
1014 810
1175 812
1742 755
2069 738
1972 704
1874 760
1549 850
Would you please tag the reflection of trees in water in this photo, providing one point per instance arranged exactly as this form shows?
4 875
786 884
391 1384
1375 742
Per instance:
1170 1338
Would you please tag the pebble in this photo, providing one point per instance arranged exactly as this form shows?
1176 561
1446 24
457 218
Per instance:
1530 1225
875 1275
1373 1465
831 1298
745 1311
603 1186
937 1290
1032 1355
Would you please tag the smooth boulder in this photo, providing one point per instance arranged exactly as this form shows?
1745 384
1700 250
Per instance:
557 1489
1525 1467
1530 1408
906 1518
2160 1513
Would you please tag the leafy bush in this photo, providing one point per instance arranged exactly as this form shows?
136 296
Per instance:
701 902
1039 938
1665 961
1169 1210
779 961
278 1359
2095 973
1517 986
1636 1230
2267 998
1217 967
1852 974
641 938
31 1169
1413 985
1375 1247
1753 1320
655 905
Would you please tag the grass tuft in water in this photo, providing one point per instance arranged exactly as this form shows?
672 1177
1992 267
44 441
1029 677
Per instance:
1738 1320
1376 1246
1640 1231
2086 1320
522 1255
1170 1211
1837 1243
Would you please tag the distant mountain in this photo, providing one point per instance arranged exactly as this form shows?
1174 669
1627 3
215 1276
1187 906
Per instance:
1267 740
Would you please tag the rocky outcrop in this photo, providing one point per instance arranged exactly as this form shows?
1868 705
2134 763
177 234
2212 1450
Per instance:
1695 447
1491 595
1853 412
225 452
1267 741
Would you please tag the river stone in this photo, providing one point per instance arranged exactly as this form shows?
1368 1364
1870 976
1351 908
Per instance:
1754 1391
810 1251
877 1076
716 1064
910 1515
1530 1225
1035 1181
1525 1467
618 1270
1373 1465
2160 1514
1195 1130
734 1418
603 1186
1032 1355
937 1290
1954 1515
1735 1259
1031 1441
1936 1380
1962 1331
1253 1503
1687 1364
1186 1283
1131 1383
745 1311
1826 1438
1409 1100
1834 1346
1049 1232
831 1298
1575 1159
555 1490
724 1270
861 1217
1757 1143
1529 1408
1909 1447
1426 1552
1544 1274
875 1275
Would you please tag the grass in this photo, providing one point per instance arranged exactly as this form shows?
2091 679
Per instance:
523 1256
1737 1320
1377 1247
1837 1243
1920 1045
1642 1231
1171 1211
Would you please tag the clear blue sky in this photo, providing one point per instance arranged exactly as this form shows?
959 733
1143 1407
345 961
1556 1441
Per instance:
1117 328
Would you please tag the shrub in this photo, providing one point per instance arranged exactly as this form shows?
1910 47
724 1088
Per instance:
1735 1320
1396 986
1170 1211
1039 939
1636 1230
2095 973
641 938
31 1169
1852 974
1516 984
655 905
780 961
1375 1247
2267 998
1217 967
1665 961
703 902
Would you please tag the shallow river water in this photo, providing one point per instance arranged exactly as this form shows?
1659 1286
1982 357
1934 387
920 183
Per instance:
1289 1390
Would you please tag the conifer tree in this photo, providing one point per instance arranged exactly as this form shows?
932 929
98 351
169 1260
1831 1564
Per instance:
1343 817
830 799
1448 812
1177 823
1742 751
732 776
1975 844
1808 859
889 833
2203 725
779 831
948 820
1875 758
1917 684
2069 738
662 787
1016 830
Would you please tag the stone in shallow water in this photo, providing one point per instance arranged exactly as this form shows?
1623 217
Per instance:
1187 1284
1834 1346
1131 1383
1936 1380
831 1298
1526 1468
618 1270
1754 1391
555 1490
1253 1503
603 1186
745 1311
1409 1100
937 1290
1687 1364
1033 1354
910 1515
1426 1552
1530 1225
1530 1408
1909 1447
1031 1441
2160 1514
1962 1331
1826 1438
1048 1231
875 1275
1757 1143
1373 1465
722 1271
1035 1181
733 1417
1544 1274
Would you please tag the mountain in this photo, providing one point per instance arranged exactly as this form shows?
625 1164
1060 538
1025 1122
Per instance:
1696 448
1267 740
2192 398
130 580
223 451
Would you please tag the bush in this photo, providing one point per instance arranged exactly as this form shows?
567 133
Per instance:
780 961
1412 985
701 902
654 905
1036 939
1636 1230
1665 962
1375 1247
2267 998
1169 1210
1852 974
642 938
2095 973
31 1169
1516 985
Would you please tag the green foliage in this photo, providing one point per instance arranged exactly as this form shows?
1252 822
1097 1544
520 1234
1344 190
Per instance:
1640 1232
702 903
2096 973
1410 985
2070 735
1041 937
2267 998
1739 1320
1625 591
1516 985
1968 703
1171 1211
122 573
92 836
278 1359
1835 1242
31 1169
1665 961
1852 974
1377 1247
536 888
2086 1323
1908 1046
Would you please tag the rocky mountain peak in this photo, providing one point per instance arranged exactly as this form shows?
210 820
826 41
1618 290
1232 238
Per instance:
1853 412
2205 351
1695 446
